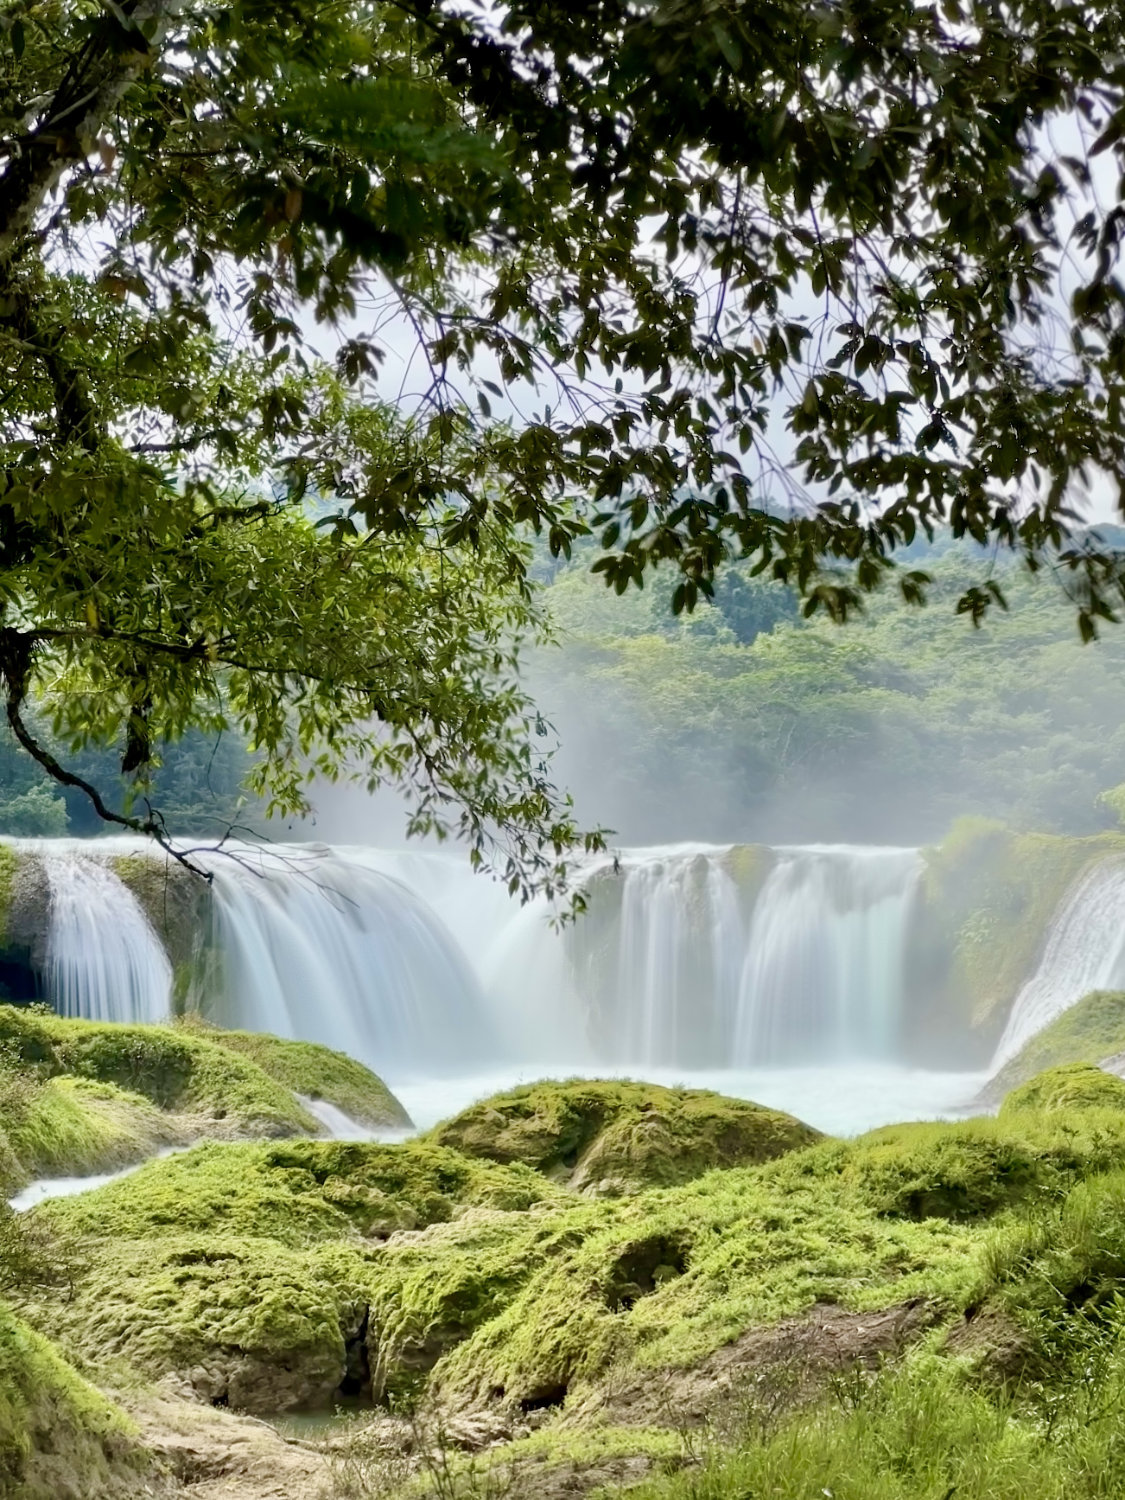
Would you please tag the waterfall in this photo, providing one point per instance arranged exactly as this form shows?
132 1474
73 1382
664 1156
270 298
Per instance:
705 965
316 943
104 961
823 971
1085 951
696 956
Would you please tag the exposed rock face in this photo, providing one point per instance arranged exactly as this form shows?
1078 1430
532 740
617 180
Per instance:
26 924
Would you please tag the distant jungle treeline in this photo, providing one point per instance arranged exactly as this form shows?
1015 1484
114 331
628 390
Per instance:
198 789
745 722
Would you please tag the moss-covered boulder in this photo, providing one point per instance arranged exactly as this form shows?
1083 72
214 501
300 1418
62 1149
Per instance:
612 1137
1092 1031
60 1439
298 1192
173 898
315 1072
1074 1086
79 1097
251 1270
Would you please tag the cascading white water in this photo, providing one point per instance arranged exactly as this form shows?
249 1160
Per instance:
317 944
1085 951
698 957
677 962
689 966
823 972
103 959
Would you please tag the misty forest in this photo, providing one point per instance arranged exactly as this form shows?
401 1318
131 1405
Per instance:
562 764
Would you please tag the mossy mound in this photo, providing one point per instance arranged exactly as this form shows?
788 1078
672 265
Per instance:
316 1072
972 1169
298 1192
79 1097
250 1270
59 1438
172 1067
244 1321
1074 1086
611 1137
74 1127
285 1273
665 1278
1091 1031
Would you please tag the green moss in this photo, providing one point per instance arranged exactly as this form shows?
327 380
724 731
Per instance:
318 1072
74 1127
1089 1032
258 1271
59 1438
667 1277
245 1321
299 1192
175 1068
256 1264
1074 1086
9 863
174 900
610 1137
749 866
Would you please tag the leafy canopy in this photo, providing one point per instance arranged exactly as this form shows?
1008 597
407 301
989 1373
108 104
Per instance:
641 249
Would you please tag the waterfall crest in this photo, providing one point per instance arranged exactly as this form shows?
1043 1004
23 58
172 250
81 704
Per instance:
1085 951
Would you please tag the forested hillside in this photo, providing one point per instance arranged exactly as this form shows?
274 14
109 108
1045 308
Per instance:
746 722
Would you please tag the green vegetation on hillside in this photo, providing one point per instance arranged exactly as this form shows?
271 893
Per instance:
884 731
980 923
1092 1031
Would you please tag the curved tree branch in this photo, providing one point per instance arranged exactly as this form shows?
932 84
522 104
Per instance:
15 663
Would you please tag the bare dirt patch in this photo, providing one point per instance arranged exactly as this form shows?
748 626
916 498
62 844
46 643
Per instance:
778 1367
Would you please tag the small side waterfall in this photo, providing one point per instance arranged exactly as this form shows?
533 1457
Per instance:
823 973
104 961
1085 951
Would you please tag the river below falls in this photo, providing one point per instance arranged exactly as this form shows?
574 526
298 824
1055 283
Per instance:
840 1099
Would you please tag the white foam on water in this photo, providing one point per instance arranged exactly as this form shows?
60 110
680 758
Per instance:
341 1127
68 1187
841 1100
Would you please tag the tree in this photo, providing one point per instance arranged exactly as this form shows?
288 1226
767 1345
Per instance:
669 231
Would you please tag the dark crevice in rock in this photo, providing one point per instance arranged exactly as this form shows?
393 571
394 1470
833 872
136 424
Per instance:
643 1268
20 981
357 1373
543 1397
